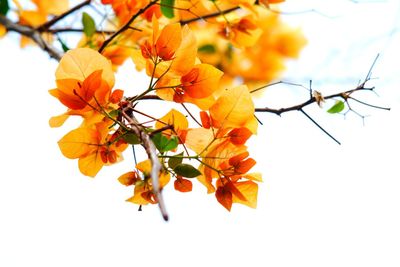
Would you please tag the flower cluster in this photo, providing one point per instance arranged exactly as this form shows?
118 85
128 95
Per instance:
207 55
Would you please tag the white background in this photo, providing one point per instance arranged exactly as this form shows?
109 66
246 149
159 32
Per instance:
320 204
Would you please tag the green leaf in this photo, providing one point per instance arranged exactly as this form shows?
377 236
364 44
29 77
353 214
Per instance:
64 47
89 26
338 107
186 170
163 143
175 161
4 7
207 48
114 113
167 8
131 138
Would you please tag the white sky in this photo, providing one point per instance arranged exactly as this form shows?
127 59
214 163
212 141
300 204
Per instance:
320 204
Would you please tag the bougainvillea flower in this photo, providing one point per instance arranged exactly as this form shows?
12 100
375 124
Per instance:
244 192
76 95
169 52
125 9
197 86
79 63
242 32
85 87
143 192
93 146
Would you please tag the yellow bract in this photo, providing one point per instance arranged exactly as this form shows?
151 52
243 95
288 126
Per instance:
78 143
79 63
249 190
234 108
3 31
52 7
175 119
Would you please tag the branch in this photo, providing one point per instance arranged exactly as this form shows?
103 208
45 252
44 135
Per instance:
56 19
126 26
151 151
211 15
31 33
344 95
74 30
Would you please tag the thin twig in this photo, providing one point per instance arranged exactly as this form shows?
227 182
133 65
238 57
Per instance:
31 33
56 19
319 126
126 26
208 16
74 30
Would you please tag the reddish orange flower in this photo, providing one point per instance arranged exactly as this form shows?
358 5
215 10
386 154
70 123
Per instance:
93 146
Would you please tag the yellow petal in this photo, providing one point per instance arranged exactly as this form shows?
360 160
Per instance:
169 40
79 63
58 121
174 118
185 57
249 190
91 164
198 139
52 7
32 18
77 143
256 176
138 60
234 108
3 31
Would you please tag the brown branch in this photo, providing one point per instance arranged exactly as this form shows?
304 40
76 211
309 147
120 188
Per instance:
126 26
343 95
56 19
74 30
211 15
151 152
31 33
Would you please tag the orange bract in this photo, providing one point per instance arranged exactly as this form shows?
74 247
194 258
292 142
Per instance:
76 95
183 185
201 81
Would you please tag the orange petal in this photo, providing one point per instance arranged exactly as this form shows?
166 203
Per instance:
201 81
128 178
169 40
224 197
245 166
116 96
234 161
205 120
183 185
239 136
